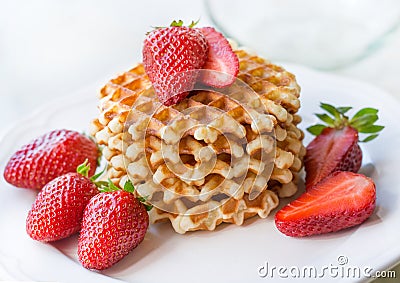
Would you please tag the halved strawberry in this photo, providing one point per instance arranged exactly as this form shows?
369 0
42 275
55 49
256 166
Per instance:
336 146
342 200
220 58
332 150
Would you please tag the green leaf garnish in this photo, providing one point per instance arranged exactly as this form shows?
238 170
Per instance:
128 187
147 206
316 129
363 121
194 23
96 176
84 168
363 112
344 109
326 118
371 129
112 186
330 109
107 186
176 23
369 138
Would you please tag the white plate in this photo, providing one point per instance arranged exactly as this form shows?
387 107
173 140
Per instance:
232 253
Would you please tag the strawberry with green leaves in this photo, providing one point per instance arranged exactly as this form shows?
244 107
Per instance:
114 223
58 209
336 146
173 56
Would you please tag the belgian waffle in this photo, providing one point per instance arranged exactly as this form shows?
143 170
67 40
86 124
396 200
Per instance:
212 158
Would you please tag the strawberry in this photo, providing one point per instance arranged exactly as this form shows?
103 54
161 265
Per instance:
58 209
220 58
342 200
336 146
114 223
49 156
171 58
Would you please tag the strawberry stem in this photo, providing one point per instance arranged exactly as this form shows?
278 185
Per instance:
363 121
96 176
179 23
109 186
128 187
176 23
83 168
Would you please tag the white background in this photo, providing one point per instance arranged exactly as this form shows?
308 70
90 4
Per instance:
50 49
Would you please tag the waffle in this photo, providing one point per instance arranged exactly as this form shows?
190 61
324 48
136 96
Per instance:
217 156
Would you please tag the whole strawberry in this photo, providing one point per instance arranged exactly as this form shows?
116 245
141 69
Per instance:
336 146
171 57
49 156
114 223
58 209
341 200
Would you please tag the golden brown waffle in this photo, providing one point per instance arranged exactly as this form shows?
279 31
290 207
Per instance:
214 157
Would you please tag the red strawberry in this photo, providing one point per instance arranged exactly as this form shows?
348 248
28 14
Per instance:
332 150
171 57
220 58
49 156
336 147
58 209
342 200
114 223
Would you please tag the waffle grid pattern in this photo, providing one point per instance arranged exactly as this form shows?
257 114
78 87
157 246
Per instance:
213 157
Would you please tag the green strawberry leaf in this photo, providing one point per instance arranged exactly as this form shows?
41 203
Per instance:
363 121
363 112
108 186
344 109
147 206
316 129
96 176
112 186
330 109
176 23
370 129
128 187
83 168
193 23
143 200
369 138
326 118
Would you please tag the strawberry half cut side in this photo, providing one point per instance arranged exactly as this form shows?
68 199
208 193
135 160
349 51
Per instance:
220 59
333 150
342 200
336 146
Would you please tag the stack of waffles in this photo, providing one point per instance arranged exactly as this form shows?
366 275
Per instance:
217 156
